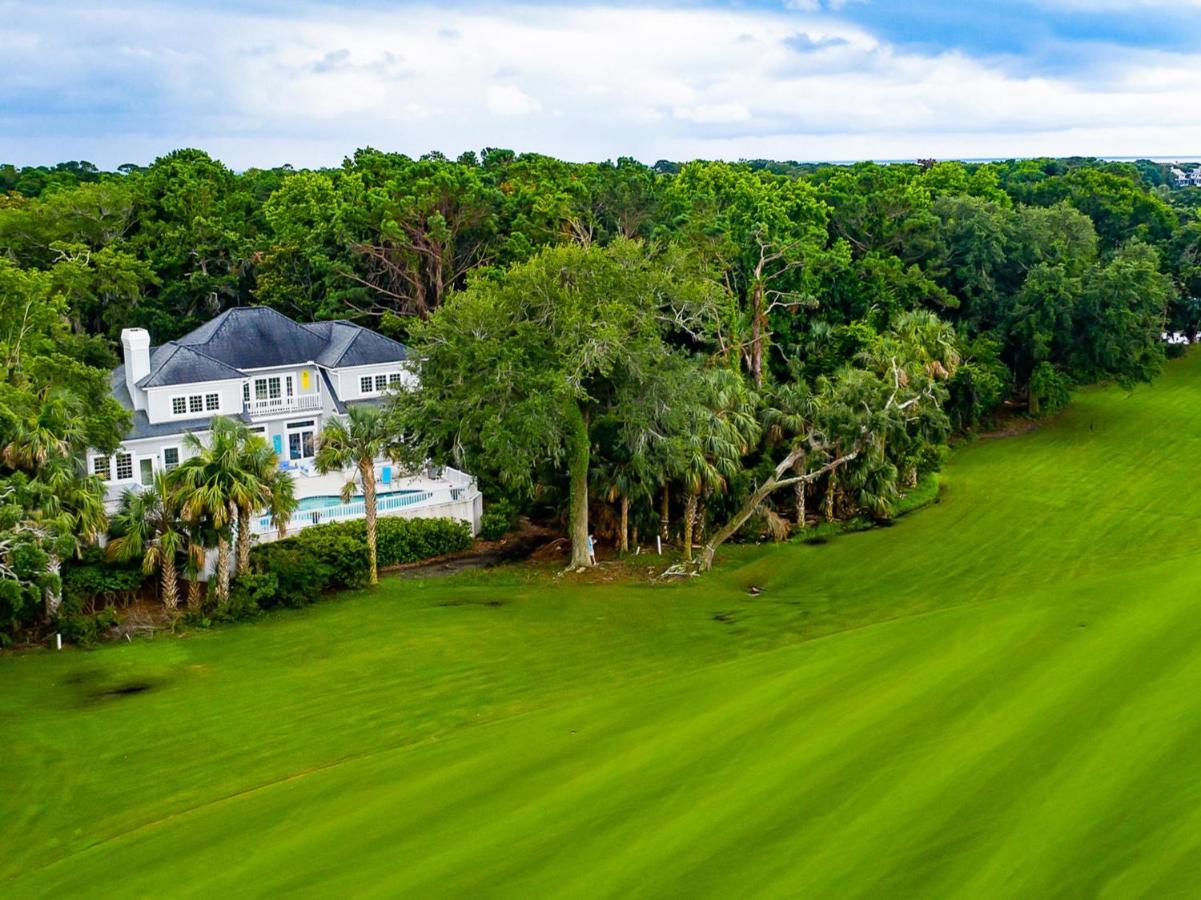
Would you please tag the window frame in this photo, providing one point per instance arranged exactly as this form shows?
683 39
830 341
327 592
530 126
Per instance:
107 475
117 466
168 466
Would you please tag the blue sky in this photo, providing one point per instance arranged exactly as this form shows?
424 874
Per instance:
260 83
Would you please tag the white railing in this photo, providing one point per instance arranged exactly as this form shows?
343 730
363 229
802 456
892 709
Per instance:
299 403
355 509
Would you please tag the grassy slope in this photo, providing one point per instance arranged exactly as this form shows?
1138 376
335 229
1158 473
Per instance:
1005 699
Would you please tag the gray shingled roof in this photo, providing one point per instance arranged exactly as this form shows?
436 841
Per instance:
174 363
252 337
141 427
255 337
352 345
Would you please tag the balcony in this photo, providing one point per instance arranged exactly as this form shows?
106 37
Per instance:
270 406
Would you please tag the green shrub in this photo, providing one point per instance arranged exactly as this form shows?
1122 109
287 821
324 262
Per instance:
493 525
82 629
94 581
334 556
343 552
299 577
400 541
249 594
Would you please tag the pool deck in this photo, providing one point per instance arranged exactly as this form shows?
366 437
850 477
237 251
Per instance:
446 492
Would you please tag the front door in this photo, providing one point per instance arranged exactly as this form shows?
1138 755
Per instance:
302 439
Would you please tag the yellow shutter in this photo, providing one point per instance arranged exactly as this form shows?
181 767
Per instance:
304 379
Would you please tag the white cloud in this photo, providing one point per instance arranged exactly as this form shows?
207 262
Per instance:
584 82
712 113
506 100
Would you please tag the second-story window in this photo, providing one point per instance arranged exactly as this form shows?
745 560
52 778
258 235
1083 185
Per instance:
196 403
212 402
179 405
381 383
365 384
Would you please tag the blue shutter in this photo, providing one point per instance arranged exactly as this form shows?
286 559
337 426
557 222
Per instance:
277 441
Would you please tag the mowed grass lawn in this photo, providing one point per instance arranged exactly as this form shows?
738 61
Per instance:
998 697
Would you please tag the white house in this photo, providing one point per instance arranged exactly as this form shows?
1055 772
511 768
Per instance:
284 380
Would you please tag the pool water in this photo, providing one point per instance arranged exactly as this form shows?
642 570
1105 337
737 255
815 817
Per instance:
308 504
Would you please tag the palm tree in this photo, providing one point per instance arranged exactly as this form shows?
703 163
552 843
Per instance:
198 542
210 484
357 441
70 508
260 486
788 419
148 526
722 427
54 431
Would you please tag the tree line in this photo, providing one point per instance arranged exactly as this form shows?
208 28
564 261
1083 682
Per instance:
691 350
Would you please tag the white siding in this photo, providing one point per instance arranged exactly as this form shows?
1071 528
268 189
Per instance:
159 410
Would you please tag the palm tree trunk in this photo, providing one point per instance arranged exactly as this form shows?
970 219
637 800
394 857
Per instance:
799 488
170 582
243 540
194 592
222 569
831 489
689 519
625 524
578 461
665 514
54 593
367 471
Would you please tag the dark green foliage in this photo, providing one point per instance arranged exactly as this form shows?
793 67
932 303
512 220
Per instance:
93 581
493 525
83 629
410 540
297 570
249 594
300 577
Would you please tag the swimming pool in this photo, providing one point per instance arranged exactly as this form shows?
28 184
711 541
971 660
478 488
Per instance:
309 504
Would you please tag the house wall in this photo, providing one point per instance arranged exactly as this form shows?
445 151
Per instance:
347 381
147 448
158 400
306 378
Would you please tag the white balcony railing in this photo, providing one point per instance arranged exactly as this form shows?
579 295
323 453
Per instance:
269 406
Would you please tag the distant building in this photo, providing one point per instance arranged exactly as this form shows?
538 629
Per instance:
1187 177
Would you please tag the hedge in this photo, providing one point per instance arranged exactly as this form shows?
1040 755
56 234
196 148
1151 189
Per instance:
334 556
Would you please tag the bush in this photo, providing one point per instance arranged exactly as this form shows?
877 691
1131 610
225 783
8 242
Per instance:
341 551
93 581
249 594
334 556
84 630
299 577
400 541
493 526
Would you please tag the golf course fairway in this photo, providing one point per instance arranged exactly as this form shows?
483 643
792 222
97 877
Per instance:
1000 696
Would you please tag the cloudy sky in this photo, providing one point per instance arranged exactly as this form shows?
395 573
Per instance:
260 83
